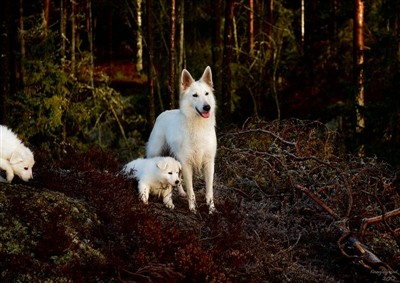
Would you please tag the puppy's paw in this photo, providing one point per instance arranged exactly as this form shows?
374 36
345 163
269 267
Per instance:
169 205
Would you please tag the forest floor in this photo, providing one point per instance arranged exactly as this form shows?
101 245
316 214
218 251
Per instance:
292 207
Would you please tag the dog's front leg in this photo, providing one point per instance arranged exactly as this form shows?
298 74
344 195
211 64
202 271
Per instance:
187 172
5 165
167 198
144 192
209 178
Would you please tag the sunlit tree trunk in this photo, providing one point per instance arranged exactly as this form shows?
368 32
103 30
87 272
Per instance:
171 87
139 39
358 46
227 60
150 49
303 23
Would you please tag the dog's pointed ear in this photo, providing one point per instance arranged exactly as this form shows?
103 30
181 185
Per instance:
16 157
207 76
162 164
186 80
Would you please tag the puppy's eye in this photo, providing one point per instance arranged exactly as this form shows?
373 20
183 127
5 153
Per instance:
206 93
170 173
26 168
195 95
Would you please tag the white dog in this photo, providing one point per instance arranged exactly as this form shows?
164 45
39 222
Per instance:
15 158
188 134
155 176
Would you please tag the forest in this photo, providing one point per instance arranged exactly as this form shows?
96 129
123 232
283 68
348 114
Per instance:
306 181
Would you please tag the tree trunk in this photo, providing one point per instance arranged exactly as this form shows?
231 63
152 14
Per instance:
217 44
46 17
171 87
227 60
22 42
150 62
182 36
73 37
5 59
139 39
251 27
358 48
63 29
90 39
303 23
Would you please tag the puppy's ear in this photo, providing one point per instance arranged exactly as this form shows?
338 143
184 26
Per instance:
16 157
162 165
186 80
207 76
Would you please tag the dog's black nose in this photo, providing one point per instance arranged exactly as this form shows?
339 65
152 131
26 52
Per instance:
177 182
206 107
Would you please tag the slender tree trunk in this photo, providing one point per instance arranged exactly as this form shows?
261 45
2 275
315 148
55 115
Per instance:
63 29
90 39
22 42
303 24
171 87
251 27
5 58
46 17
217 44
150 49
227 60
73 37
181 63
139 37
358 48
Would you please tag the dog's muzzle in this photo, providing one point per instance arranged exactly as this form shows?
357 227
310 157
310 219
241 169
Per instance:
206 111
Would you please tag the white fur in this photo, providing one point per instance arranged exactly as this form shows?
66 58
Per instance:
15 158
188 134
155 176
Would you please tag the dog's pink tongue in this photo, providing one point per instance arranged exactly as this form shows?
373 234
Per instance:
205 114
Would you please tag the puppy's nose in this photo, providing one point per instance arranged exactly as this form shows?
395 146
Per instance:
177 182
206 107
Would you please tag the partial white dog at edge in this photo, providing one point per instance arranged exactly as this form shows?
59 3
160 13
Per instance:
15 157
188 134
156 176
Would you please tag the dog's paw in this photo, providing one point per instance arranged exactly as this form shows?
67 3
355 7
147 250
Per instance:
144 198
169 205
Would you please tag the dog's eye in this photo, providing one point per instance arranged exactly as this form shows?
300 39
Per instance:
170 173
195 95
206 93
26 168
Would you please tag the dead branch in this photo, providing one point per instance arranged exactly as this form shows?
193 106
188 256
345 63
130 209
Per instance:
376 219
349 245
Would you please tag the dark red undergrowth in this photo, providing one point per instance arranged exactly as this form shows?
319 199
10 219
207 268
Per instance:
79 221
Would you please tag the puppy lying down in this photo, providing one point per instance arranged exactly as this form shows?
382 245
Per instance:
155 176
15 157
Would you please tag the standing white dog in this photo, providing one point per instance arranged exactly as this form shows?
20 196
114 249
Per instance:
15 158
188 134
156 176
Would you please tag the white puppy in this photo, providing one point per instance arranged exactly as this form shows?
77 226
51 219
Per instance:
15 158
156 176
